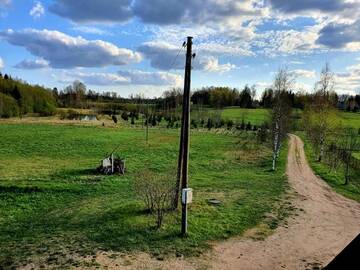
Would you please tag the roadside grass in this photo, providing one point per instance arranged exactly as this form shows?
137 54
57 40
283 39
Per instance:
54 208
334 178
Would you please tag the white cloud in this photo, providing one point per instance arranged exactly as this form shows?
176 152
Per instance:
1 63
211 64
64 51
132 77
93 78
152 78
165 56
273 43
348 82
32 64
304 73
37 10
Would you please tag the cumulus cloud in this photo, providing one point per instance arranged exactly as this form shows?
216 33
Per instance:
85 11
37 10
151 78
131 77
339 35
273 43
296 6
211 64
163 56
304 73
174 11
160 12
64 51
93 78
32 64
348 82
1 63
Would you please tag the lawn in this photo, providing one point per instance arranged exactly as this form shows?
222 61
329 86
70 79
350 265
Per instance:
55 209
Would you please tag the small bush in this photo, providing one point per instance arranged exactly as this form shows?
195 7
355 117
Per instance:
156 191
114 118
125 116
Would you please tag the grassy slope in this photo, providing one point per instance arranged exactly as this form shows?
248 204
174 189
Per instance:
52 204
334 178
255 116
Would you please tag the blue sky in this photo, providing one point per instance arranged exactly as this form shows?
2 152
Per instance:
129 46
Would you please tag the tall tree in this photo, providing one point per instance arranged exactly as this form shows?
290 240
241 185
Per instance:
281 111
320 115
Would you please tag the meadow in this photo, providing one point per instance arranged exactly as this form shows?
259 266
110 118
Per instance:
55 209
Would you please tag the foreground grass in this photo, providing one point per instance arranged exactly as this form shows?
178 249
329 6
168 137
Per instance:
334 178
55 209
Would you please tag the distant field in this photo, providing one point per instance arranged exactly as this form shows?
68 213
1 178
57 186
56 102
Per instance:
255 116
350 119
55 209
258 116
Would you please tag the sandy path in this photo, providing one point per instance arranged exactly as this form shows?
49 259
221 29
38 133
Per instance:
310 239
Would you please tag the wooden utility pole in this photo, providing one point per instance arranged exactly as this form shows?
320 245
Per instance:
185 132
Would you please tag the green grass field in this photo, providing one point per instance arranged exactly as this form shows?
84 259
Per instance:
258 116
350 119
255 116
55 209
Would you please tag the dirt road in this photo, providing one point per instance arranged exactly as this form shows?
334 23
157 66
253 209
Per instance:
310 240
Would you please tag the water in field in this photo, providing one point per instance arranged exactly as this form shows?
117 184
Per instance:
88 118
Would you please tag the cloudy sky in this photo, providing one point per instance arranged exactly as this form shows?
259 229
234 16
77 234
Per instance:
130 46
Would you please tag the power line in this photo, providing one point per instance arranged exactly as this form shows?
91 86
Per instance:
176 57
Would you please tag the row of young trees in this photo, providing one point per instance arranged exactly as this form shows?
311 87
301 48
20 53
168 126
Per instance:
18 98
332 143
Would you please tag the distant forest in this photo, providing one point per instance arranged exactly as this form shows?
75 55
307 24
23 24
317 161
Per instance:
18 98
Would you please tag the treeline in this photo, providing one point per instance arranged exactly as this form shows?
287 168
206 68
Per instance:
18 98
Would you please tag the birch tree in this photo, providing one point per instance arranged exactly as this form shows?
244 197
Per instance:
320 116
281 111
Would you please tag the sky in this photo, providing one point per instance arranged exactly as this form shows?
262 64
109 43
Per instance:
135 46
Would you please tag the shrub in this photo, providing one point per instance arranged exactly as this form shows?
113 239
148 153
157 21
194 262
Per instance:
263 133
248 126
230 124
125 116
114 118
209 124
156 191
193 123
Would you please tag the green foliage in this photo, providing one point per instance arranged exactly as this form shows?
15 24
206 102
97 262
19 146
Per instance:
125 116
8 106
29 98
52 202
